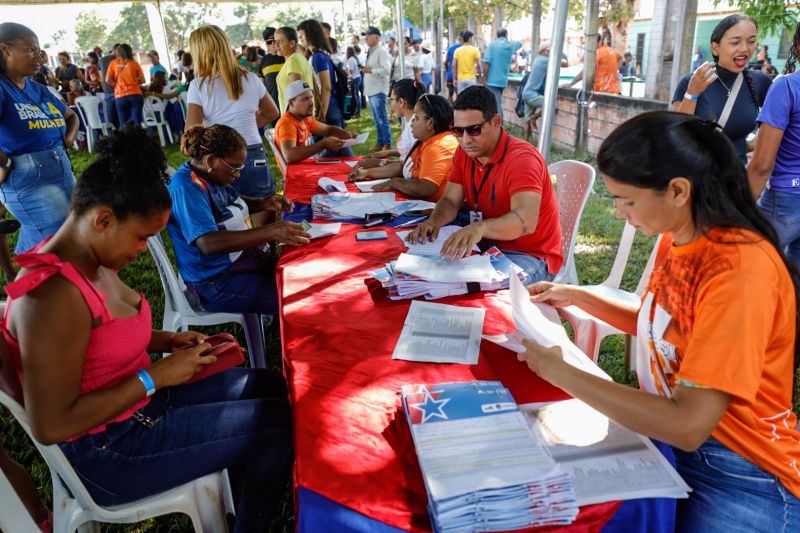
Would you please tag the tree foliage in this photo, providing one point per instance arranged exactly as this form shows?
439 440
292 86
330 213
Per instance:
133 28
238 34
291 17
180 18
90 31
772 16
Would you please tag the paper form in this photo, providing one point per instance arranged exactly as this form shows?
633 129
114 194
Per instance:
438 333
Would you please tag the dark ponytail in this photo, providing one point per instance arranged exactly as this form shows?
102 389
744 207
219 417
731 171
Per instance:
716 37
651 149
409 90
10 32
129 176
219 140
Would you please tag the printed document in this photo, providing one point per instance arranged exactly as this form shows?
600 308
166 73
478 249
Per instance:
439 333
432 249
477 268
331 185
366 186
361 139
606 461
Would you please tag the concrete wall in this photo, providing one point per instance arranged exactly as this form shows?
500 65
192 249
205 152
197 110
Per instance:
609 112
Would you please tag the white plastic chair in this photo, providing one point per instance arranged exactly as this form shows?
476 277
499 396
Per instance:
574 181
590 331
202 499
183 100
154 111
13 514
89 107
269 135
179 313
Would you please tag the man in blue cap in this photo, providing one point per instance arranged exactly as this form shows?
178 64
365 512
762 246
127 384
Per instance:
376 71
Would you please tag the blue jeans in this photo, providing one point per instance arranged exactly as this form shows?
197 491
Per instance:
783 210
533 268
498 97
238 419
111 109
129 109
427 80
731 494
247 286
334 118
38 192
255 181
377 103
359 86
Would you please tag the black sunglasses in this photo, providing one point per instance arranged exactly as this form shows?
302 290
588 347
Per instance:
269 41
473 130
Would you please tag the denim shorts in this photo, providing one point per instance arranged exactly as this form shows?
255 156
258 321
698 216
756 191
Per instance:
533 268
38 192
731 494
255 181
782 208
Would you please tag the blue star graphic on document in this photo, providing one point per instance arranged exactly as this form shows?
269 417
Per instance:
431 407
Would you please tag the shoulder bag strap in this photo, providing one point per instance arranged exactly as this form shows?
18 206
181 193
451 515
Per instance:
726 111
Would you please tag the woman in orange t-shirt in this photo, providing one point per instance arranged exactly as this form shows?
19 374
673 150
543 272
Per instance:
126 77
717 326
426 167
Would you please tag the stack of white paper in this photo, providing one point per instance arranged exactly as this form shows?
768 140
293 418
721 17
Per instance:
361 139
484 470
321 230
438 333
434 277
345 206
433 248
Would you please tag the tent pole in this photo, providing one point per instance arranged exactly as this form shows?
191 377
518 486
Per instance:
159 33
401 43
553 72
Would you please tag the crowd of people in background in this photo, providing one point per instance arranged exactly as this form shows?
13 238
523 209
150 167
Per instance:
725 200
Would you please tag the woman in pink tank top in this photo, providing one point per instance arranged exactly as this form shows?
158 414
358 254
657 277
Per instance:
80 339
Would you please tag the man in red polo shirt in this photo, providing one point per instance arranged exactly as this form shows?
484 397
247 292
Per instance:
506 186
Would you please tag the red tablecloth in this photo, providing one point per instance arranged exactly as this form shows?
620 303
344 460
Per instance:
302 178
338 330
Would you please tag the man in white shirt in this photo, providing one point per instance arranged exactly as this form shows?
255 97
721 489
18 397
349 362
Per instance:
376 72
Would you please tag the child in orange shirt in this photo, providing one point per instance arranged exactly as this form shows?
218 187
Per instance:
717 326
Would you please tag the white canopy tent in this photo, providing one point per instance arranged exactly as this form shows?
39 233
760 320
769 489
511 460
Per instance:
158 32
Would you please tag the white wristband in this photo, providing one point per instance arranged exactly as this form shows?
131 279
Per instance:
691 97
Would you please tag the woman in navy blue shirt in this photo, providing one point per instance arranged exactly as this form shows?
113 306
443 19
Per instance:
36 178
313 39
704 93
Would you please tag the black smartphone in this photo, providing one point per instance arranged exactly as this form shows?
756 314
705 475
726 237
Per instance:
418 212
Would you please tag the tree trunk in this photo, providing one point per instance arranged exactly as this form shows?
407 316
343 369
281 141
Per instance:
659 58
621 28
498 19
684 43
589 67
536 23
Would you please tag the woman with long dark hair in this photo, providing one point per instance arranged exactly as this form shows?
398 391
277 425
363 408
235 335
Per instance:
67 71
353 68
312 37
706 92
93 75
125 75
423 172
36 178
717 326
129 426
776 158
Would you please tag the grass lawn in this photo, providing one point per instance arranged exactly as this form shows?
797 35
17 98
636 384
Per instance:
598 234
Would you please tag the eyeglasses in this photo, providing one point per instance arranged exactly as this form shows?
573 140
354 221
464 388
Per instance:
473 130
269 41
231 168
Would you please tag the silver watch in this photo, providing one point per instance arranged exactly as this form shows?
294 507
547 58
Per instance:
383 162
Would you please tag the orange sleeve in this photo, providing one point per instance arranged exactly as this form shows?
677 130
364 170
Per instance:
313 125
112 70
734 323
437 160
285 130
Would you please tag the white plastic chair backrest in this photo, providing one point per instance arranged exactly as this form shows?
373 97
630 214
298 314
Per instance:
269 134
90 107
156 103
648 268
574 181
52 455
173 288
614 278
